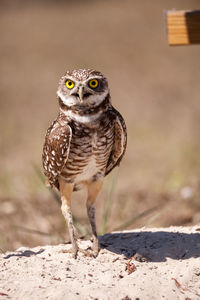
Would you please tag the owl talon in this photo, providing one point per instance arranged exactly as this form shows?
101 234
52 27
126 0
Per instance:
96 247
92 253
73 251
74 254
88 252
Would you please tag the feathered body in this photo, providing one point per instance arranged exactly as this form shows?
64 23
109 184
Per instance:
88 138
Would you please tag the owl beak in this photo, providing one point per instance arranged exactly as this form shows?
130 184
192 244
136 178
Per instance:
80 92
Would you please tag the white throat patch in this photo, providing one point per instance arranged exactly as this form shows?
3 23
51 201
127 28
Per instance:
82 119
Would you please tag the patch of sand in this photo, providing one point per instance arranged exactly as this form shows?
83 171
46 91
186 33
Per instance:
147 263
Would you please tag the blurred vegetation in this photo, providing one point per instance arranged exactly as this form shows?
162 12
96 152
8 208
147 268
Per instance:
155 87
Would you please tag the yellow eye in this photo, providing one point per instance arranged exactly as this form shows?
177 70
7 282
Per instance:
69 84
93 83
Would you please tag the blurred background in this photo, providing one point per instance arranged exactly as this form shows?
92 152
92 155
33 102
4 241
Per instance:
154 86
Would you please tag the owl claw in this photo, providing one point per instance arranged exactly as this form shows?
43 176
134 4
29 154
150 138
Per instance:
73 251
93 254
96 247
74 254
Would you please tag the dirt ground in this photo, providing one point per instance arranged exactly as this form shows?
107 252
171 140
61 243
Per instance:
160 263
154 86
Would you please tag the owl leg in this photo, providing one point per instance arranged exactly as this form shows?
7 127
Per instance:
66 190
93 191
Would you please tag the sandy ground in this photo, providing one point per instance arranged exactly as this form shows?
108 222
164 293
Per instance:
160 263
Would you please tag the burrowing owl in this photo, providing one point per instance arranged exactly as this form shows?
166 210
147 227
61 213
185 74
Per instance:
85 142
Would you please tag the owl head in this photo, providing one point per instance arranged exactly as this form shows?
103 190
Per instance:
83 87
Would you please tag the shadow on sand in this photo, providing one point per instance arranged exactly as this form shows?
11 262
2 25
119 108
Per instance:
154 246
26 253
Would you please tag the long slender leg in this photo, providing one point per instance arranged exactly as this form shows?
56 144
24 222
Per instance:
66 190
93 190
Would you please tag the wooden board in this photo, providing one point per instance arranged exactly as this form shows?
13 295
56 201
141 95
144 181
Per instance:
183 27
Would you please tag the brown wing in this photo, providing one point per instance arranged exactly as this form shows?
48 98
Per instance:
120 142
56 150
